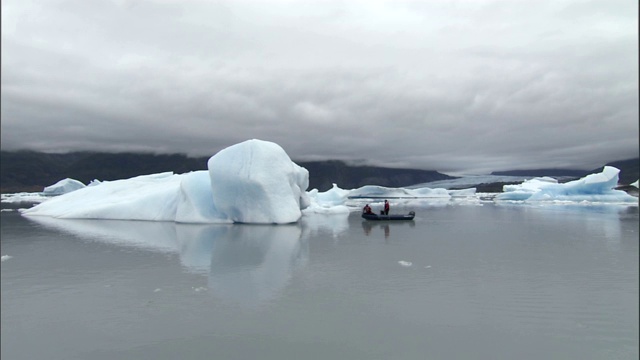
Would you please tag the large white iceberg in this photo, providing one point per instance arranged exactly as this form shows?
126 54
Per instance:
253 182
593 188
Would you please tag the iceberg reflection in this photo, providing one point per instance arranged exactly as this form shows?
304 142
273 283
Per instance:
251 264
245 264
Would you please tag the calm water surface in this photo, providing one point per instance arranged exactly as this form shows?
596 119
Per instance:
484 282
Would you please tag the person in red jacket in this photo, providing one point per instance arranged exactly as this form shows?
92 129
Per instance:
367 209
386 207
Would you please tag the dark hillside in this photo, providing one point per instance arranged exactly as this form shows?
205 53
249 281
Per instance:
27 170
323 173
32 171
104 166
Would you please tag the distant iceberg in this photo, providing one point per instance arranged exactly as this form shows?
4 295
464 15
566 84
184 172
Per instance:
593 188
374 191
63 186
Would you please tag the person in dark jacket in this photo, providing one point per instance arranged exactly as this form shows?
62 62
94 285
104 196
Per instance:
386 207
367 209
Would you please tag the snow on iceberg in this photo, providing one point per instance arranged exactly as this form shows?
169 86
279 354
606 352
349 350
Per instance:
256 182
62 187
594 188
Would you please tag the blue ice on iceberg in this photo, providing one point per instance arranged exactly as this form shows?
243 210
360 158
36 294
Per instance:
251 182
256 182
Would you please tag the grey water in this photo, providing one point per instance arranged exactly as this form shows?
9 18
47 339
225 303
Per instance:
459 282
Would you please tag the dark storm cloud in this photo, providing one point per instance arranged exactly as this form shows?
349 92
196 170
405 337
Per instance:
461 86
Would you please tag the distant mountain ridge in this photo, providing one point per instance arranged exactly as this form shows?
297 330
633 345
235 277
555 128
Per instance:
32 171
322 174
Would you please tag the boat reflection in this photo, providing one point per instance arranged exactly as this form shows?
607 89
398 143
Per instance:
385 226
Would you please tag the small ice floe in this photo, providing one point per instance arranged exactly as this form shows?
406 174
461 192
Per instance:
428 267
24 197
198 289
157 290
405 263
3 210
5 258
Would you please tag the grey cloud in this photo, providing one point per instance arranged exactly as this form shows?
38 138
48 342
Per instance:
448 86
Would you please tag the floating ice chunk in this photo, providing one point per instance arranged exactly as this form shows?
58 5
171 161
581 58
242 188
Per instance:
5 258
24 197
532 185
199 289
405 263
374 191
157 290
426 192
635 183
329 202
63 186
462 192
256 182
591 188
331 197
314 208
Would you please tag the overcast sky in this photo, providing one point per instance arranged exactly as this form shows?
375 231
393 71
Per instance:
455 86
